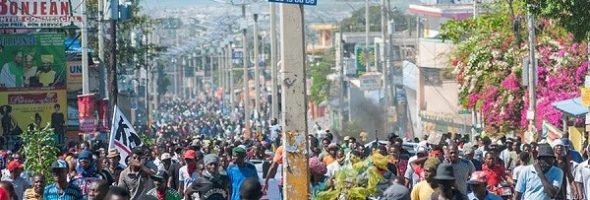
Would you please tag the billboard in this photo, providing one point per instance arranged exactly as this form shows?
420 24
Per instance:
74 77
360 58
23 109
35 60
39 13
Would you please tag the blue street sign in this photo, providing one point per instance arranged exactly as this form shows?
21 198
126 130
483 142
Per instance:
302 2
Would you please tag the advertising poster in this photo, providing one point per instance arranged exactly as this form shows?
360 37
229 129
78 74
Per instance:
74 77
39 13
103 112
32 61
21 110
86 113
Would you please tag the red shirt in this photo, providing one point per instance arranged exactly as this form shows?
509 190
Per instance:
494 174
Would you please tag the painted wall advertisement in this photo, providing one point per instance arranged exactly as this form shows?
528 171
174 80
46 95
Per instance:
32 82
39 13
23 109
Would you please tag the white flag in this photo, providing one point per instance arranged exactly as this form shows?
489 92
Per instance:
123 137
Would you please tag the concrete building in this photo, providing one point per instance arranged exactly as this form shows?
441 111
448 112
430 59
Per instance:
431 87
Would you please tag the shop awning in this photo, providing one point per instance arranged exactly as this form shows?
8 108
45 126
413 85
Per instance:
572 107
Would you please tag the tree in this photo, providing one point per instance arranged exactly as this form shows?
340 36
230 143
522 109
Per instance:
488 67
40 150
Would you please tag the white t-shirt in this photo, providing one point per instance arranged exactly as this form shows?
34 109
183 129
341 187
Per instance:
582 176
516 171
185 178
332 168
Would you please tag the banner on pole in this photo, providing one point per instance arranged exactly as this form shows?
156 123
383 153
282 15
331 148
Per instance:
40 13
123 137
86 113
103 112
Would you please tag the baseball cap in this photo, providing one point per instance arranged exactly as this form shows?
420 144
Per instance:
59 164
160 175
190 154
85 155
15 164
113 153
165 156
421 149
557 142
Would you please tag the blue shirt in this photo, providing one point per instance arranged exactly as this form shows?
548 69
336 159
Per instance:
238 175
531 187
52 192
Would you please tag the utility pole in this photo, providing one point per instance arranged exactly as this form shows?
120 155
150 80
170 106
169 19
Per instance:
231 78
341 80
273 62
220 69
475 8
385 63
113 64
532 71
85 80
246 90
367 29
256 68
103 70
294 121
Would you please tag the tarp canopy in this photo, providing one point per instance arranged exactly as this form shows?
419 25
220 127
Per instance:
572 107
73 46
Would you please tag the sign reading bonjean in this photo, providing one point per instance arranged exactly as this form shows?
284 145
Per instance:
39 13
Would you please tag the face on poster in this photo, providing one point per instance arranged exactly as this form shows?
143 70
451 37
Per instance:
32 61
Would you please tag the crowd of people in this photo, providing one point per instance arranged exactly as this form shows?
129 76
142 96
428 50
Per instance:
201 153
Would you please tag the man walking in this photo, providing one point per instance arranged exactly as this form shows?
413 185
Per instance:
161 190
542 180
239 171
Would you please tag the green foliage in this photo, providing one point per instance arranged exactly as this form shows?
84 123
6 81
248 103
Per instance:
320 83
570 14
356 23
41 151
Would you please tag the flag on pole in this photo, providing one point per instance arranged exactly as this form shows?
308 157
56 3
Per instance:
123 137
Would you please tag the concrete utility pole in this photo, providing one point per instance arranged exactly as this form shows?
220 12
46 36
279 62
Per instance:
103 70
367 30
532 71
231 78
273 62
385 63
246 90
341 80
256 68
85 80
113 64
294 121
220 69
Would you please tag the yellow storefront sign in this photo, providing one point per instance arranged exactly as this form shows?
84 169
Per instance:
585 96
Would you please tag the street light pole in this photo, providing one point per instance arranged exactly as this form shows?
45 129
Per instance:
532 70
246 90
367 29
256 68
273 62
